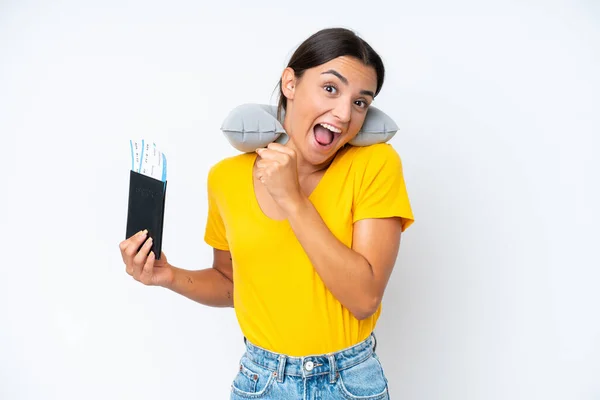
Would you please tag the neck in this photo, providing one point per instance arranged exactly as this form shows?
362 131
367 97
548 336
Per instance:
305 168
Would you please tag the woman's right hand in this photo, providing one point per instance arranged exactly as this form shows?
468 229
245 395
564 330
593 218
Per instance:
144 267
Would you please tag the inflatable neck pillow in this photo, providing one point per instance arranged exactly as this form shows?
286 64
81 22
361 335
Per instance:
252 126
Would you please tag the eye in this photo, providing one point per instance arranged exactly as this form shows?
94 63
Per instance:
361 103
330 88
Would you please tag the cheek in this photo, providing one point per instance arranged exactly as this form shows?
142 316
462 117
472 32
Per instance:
356 123
306 105
311 110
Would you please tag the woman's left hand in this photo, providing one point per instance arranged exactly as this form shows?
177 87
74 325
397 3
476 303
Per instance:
277 169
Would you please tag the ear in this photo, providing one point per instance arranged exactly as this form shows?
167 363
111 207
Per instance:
288 83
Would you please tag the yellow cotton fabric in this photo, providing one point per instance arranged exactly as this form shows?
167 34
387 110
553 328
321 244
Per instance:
280 301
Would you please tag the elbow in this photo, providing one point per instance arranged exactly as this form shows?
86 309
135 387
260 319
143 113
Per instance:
366 308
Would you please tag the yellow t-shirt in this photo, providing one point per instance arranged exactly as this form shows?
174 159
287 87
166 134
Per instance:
280 301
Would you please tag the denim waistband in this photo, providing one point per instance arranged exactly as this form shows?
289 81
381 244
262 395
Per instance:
312 365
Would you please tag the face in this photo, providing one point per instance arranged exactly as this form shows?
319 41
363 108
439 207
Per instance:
327 107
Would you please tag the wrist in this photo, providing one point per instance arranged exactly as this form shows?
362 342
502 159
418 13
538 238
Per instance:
170 278
296 207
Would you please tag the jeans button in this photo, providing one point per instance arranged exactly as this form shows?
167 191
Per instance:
309 365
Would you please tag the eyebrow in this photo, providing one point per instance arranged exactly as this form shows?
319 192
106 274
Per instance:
345 81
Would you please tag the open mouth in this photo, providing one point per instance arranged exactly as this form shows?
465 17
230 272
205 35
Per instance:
325 134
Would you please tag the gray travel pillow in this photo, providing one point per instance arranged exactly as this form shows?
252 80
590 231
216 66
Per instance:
252 126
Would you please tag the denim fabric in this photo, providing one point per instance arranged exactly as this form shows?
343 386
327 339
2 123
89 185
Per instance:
350 374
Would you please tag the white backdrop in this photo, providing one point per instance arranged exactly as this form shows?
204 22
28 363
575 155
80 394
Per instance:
495 295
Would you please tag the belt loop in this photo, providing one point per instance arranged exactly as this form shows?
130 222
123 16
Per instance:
332 368
281 368
374 342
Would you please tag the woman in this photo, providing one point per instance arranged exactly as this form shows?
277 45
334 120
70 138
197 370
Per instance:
307 233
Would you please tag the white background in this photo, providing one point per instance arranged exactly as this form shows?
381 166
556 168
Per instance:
496 291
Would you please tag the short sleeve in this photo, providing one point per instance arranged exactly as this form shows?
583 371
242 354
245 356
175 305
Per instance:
380 190
215 233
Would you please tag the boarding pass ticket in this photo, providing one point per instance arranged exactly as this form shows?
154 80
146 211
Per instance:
147 160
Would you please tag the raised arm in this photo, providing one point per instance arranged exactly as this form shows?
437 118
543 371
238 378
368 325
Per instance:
356 276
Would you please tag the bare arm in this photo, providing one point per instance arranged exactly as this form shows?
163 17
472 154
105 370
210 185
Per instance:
211 286
356 276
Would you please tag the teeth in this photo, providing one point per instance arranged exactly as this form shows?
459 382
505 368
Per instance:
331 128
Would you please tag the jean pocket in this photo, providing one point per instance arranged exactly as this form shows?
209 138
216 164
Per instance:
364 381
251 381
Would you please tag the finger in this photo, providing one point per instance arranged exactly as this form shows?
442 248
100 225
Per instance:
273 155
133 244
263 173
269 154
267 166
260 164
140 259
263 165
281 148
129 247
122 248
129 255
146 275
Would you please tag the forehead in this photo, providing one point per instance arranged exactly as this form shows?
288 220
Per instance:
354 70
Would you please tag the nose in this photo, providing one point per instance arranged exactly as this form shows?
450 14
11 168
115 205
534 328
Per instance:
342 111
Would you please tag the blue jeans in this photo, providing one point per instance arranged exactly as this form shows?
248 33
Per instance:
350 374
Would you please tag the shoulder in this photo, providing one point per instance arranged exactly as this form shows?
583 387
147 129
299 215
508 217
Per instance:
383 150
375 156
229 164
229 168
